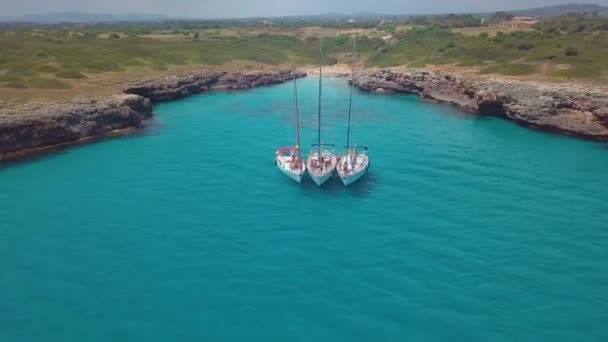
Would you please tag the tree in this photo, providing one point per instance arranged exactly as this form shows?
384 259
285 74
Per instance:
501 16
114 36
196 35
499 37
526 46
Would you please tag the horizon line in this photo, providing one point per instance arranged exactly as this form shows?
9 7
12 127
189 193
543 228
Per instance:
24 17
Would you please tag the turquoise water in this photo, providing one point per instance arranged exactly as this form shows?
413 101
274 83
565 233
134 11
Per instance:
467 229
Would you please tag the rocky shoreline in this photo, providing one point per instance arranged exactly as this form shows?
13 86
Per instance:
569 109
176 87
35 128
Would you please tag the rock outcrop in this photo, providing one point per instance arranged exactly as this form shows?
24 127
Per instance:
176 87
38 125
34 128
565 108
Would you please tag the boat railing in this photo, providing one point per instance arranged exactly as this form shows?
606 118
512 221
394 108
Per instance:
286 150
356 147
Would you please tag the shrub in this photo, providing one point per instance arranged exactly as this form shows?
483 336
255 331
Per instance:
333 61
499 38
526 46
70 74
40 54
571 51
114 36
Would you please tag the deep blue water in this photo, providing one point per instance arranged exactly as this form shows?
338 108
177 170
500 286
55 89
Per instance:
468 228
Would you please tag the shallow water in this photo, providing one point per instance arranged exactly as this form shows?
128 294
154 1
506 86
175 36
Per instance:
467 228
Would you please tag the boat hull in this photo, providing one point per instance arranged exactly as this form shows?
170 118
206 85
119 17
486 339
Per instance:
320 175
284 165
349 177
320 179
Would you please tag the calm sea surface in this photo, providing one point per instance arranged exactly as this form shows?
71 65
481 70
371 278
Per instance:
468 228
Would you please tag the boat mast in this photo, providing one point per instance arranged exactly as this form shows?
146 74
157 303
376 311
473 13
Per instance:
295 93
320 76
350 100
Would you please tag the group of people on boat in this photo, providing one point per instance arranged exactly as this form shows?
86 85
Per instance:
320 164
296 163
348 162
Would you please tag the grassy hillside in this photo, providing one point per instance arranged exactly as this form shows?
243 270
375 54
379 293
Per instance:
570 47
561 54
53 58
560 10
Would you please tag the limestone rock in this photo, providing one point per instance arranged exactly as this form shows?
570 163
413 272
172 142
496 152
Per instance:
565 108
176 87
42 124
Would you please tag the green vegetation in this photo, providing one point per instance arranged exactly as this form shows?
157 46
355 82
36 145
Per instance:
574 24
500 17
514 53
54 57
70 74
45 58
47 83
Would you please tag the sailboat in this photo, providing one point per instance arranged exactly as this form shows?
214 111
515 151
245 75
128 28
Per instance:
321 161
289 159
353 165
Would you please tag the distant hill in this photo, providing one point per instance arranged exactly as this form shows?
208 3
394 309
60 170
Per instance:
84 17
559 10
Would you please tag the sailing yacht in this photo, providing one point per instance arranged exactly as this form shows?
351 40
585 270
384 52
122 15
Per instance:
289 159
321 161
353 165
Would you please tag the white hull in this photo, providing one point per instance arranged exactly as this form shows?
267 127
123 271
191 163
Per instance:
320 179
320 174
350 176
284 165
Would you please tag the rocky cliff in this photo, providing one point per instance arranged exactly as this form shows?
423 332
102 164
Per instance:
565 108
175 87
33 128
38 125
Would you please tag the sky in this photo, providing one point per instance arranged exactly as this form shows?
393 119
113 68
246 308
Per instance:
267 8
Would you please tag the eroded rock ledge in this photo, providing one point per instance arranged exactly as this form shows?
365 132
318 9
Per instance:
176 87
564 108
35 128
30 128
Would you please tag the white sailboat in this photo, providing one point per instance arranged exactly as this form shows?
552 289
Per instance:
353 165
289 159
321 161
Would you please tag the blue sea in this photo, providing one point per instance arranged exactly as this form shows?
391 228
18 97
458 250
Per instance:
467 228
